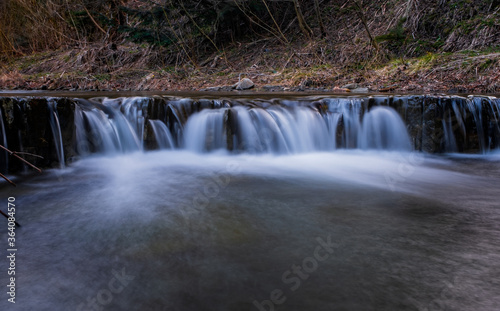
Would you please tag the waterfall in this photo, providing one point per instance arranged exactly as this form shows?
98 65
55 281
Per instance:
56 131
288 126
487 114
261 130
204 131
4 156
348 112
277 130
464 118
450 141
287 130
427 123
105 129
382 128
132 109
332 122
162 135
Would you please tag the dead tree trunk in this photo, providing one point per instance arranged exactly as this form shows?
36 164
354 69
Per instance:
320 20
302 21
359 11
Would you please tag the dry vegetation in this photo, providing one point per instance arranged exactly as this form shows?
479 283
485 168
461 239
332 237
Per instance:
411 45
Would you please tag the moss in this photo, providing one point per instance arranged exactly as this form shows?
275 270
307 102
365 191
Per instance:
479 22
487 64
102 77
67 58
429 57
396 34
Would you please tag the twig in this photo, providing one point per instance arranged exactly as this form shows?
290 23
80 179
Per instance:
10 181
30 154
179 39
362 17
14 154
257 21
302 21
7 216
93 20
275 23
289 59
320 20
10 43
205 35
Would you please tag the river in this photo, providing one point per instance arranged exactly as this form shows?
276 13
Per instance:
195 229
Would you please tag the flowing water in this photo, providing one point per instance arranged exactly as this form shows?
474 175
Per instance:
275 211
56 132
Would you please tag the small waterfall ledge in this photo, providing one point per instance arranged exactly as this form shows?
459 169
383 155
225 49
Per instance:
64 129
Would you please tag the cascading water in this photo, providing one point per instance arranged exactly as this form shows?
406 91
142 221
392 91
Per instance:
348 111
133 110
282 130
383 129
205 131
432 124
297 129
449 136
106 129
329 230
4 156
487 112
56 131
162 135
470 117
281 127
100 136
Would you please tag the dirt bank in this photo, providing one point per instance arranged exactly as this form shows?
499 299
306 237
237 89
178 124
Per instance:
460 72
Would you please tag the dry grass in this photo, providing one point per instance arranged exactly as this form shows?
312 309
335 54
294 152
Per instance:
93 57
11 79
32 26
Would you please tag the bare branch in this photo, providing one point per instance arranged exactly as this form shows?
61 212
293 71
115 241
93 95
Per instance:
15 154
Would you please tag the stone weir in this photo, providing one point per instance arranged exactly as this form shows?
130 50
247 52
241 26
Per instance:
61 130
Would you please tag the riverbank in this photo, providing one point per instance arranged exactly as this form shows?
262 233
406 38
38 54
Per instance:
466 71
340 46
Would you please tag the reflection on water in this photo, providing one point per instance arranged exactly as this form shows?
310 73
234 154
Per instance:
174 230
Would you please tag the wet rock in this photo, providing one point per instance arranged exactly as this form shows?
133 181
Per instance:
432 132
226 88
273 88
413 114
28 130
432 121
342 90
244 84
351 86
211 89
307 83
389 88
457 90
66 117
360 90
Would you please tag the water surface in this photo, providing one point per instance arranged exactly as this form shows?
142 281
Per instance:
215 231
